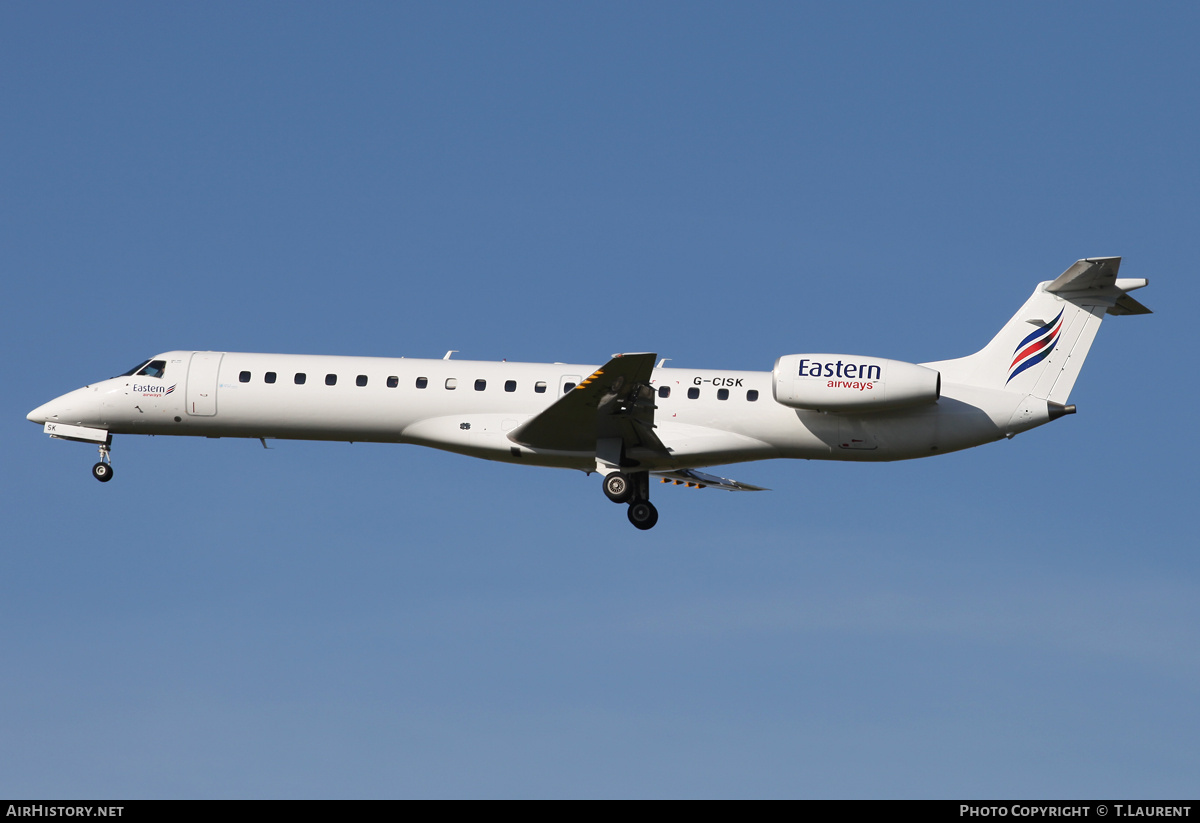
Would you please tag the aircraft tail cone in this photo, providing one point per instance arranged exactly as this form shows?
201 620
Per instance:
1057 410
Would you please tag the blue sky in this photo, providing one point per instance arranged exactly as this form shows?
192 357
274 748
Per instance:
720 183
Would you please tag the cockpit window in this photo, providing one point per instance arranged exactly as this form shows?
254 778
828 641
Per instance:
150 368
154 368
136 369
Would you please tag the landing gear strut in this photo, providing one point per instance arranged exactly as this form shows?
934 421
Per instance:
632 488
103 470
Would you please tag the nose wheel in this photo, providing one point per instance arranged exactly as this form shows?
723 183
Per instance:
103 470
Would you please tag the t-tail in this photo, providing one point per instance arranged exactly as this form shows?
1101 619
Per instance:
1041 350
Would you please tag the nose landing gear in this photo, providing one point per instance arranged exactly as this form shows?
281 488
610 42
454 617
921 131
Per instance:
632 488
103 470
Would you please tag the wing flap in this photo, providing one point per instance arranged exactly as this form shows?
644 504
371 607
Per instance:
696 479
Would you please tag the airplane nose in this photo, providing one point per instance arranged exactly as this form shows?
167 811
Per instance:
46 412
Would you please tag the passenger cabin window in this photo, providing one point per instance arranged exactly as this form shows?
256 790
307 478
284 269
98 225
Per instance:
567 387
422 382
722 394
300 378
539 387
664 391
269 377
693 393
451 383
331 380
752 395
393 382
244 377
480 385
510 385
361 380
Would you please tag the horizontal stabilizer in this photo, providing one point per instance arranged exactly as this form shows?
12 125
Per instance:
1127 305
1098 275
1090 273
701 480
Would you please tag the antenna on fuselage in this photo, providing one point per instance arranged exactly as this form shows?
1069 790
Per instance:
452 351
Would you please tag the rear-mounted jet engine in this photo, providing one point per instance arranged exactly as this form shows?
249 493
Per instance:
849 383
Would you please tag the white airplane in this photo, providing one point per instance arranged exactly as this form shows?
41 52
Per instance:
628 419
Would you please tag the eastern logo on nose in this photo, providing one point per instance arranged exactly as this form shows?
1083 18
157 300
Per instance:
154 391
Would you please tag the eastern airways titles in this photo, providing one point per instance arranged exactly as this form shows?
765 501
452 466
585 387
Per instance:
863 371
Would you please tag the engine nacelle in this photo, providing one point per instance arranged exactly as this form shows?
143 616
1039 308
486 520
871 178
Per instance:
847 382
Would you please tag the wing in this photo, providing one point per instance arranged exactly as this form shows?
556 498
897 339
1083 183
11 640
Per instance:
695 479
610 412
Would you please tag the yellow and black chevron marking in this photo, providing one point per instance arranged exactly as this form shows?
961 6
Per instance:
589 379
687 483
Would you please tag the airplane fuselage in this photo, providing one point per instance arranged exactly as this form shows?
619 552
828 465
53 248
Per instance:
704 417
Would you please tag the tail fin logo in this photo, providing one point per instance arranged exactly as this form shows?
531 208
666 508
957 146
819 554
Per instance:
1035 348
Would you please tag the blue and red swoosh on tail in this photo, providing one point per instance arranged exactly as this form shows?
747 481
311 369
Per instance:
1035 348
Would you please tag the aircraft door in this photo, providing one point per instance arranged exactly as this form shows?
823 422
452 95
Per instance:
202 383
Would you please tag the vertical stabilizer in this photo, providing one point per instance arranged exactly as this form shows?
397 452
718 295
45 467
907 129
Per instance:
1041 350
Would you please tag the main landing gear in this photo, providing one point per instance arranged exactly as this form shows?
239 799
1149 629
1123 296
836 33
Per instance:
642 514
632 488
103 470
